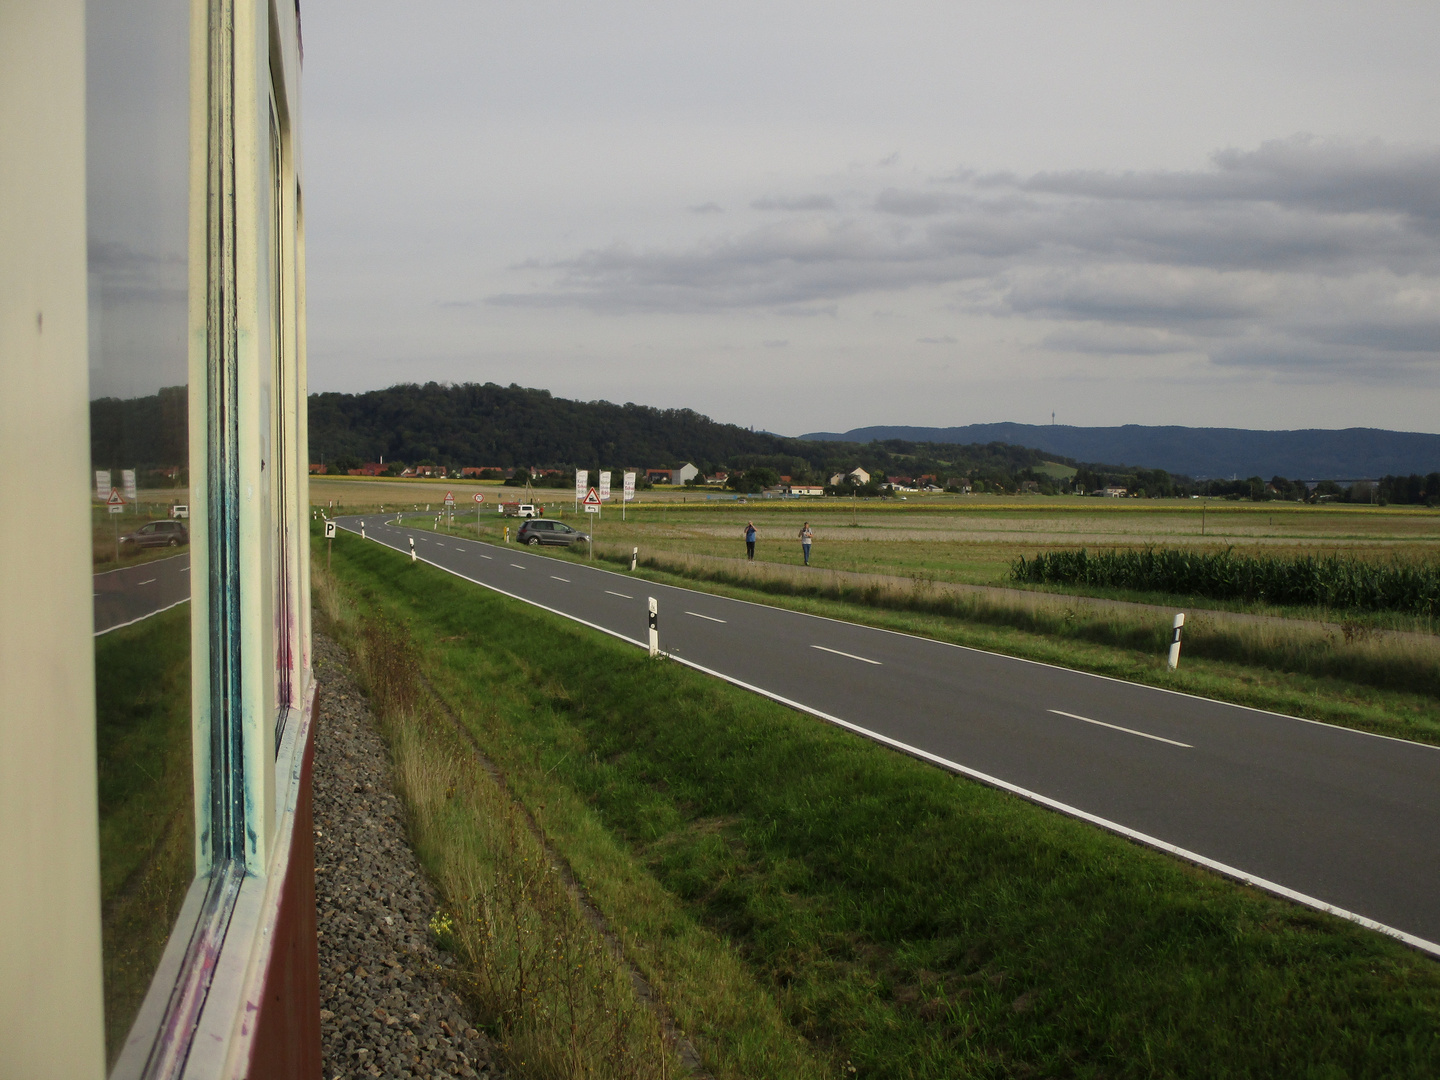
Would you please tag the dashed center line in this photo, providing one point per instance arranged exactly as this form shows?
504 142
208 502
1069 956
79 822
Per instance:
848 656
148 581
557 577
622 596
484 556
1117 727
709 618
517 566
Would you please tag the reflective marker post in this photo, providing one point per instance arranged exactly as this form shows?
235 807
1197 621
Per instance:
634 556
412 549
362 530
654 628
1174 661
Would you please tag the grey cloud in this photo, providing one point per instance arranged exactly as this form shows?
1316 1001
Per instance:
1315 249
707 208
946 340
799 202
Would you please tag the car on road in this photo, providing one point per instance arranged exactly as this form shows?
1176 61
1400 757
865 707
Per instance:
157 534
538 531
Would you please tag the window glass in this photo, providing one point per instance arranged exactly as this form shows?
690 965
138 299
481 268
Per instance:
137 162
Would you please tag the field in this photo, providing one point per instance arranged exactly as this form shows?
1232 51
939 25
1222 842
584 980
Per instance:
808 904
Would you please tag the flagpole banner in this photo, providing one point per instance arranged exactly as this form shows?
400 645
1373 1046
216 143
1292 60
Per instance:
604 487
102 484
582 482
629 486
127 482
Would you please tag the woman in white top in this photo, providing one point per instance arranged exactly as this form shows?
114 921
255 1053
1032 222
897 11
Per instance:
807 534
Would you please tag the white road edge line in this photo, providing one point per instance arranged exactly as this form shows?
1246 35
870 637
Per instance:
557 577
1117 727
1435 747
1223 869
851 656
142 618
612 592
710 618
147 581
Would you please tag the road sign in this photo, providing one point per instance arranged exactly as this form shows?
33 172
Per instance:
479 496
604 487
449 498
116 502
329 530
592 508
592 498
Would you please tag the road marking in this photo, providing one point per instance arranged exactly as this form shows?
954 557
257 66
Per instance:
484 556
517 566
1117 727
439 544
851 656
557 577
622 596
148 581
710 618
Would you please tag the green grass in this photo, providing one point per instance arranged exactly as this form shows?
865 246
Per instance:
147 860
884 916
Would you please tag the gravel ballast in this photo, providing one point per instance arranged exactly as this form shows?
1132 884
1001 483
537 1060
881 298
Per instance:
386 1007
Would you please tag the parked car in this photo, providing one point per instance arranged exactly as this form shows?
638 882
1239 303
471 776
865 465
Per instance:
545 531
157 534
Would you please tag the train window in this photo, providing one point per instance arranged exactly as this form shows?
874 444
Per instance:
138 211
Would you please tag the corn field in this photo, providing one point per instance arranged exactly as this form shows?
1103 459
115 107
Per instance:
1334 581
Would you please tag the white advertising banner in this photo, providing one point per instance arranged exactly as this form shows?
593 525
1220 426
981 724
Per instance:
604 487
582 482
127 479
102 484
629 486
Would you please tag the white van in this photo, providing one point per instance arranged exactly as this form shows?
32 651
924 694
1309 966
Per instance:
180 511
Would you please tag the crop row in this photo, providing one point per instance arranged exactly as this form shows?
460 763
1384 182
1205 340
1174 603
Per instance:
1332 581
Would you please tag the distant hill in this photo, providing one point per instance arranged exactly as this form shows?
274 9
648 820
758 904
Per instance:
1308 454
507 426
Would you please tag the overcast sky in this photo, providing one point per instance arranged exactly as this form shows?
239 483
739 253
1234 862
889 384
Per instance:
807 216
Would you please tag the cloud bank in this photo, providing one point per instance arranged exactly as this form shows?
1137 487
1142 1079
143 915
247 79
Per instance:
1301 256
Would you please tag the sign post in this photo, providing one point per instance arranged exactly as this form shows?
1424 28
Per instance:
116 505
582 480
479 499
592 506
628 494
329 541
1174 659
450 506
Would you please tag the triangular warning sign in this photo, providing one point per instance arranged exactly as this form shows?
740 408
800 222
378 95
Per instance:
115 499
592 498
449 496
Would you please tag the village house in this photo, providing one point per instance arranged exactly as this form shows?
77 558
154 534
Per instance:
684 474
371 468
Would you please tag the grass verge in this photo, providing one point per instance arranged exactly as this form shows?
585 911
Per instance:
147 833
808 903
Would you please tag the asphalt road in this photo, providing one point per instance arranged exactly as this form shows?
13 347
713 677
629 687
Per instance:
133 593
1330 817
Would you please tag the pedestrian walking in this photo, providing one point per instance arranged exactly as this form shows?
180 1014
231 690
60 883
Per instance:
750 540
807 534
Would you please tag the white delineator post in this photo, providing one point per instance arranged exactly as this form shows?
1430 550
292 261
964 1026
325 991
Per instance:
654 628
1174 661
634 557
362 530
412 549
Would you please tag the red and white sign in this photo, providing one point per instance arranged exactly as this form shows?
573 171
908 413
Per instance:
449 498
629 486
582 478
102 483
127 479
604 487
592 502
115 502
479 496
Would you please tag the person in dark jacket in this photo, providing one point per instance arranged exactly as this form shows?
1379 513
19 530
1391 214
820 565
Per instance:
750 540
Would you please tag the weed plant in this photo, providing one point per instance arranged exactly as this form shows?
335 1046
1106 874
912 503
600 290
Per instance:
537 972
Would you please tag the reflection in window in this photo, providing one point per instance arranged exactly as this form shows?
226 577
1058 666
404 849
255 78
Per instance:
137 162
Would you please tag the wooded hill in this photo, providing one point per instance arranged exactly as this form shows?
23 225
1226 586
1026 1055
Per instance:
510 426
